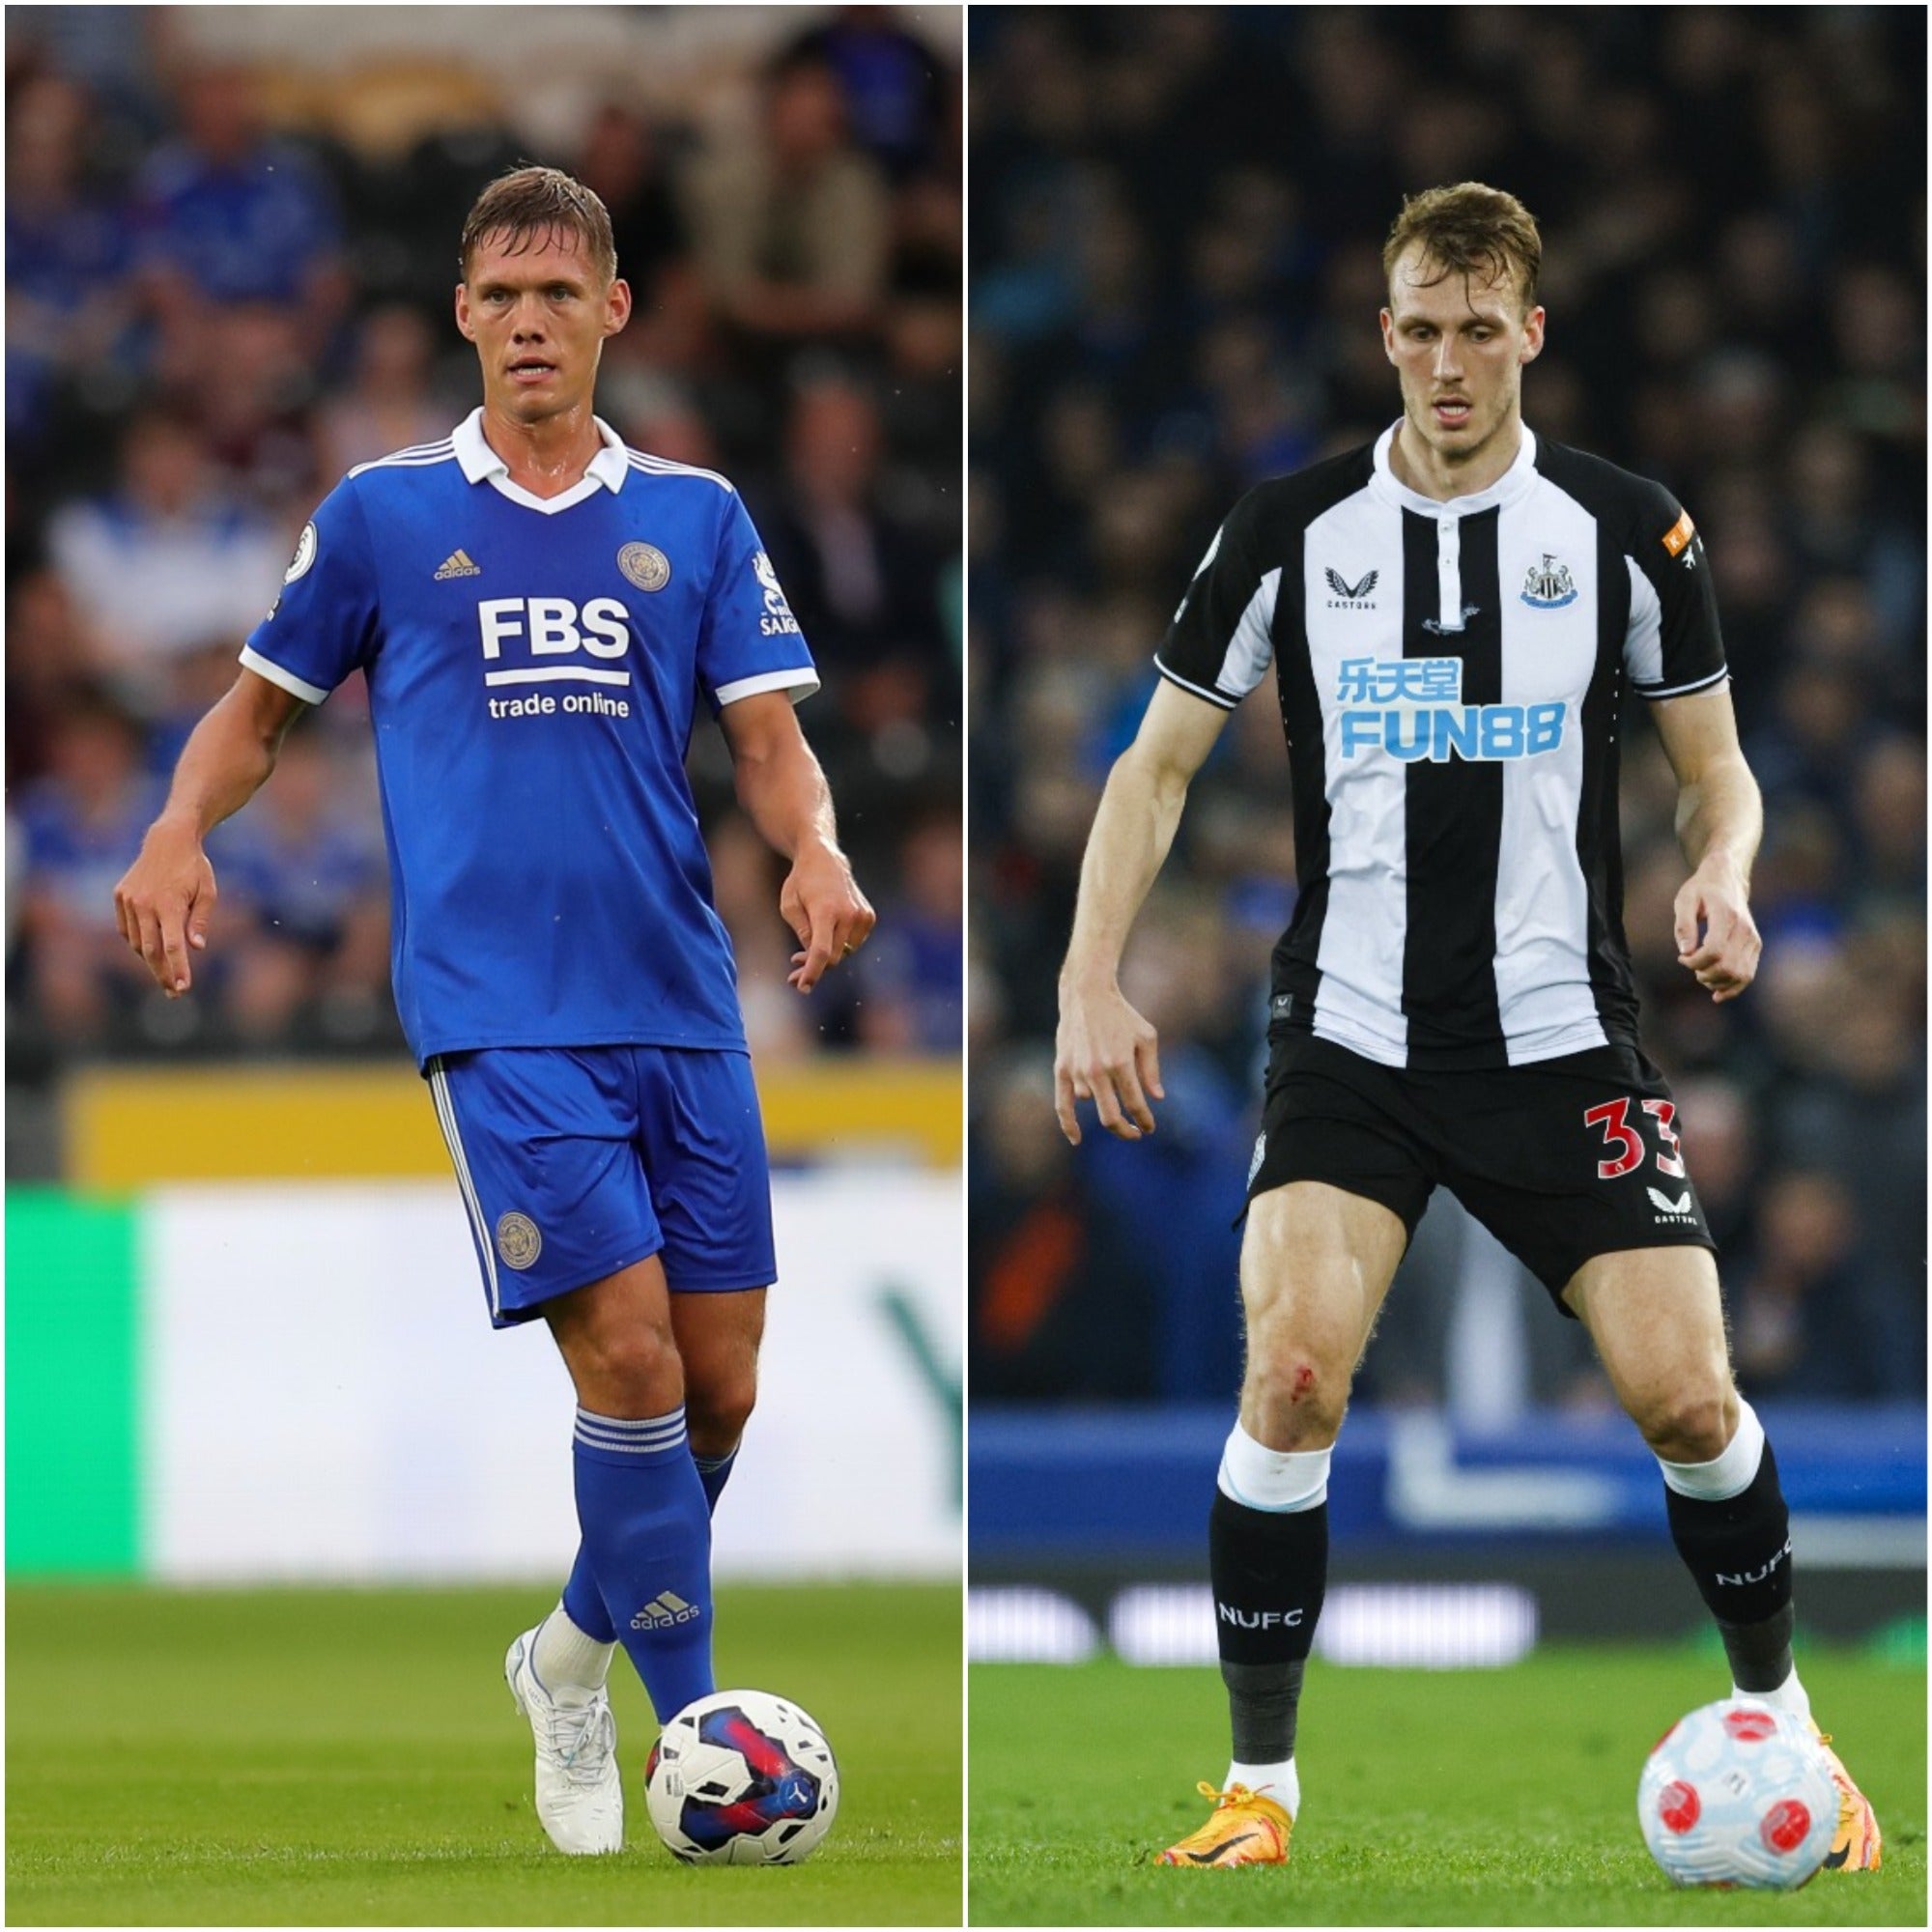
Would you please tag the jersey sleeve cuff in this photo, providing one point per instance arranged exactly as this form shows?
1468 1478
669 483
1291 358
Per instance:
1217 697
253 659
1654 692
801 680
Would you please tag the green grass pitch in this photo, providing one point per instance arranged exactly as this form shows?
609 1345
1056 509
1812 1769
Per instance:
352 1757
1468 1798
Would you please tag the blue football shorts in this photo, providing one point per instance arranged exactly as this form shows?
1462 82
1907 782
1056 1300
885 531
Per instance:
574 1162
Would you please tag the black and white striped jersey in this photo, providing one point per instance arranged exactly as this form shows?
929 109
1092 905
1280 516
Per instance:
1450 676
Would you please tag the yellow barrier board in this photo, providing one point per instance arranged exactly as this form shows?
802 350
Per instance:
134 1127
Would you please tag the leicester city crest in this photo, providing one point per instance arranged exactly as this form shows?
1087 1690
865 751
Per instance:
646 565
1548 586
518 1240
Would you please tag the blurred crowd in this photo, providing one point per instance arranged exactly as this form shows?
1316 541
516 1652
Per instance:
1178 221
228 279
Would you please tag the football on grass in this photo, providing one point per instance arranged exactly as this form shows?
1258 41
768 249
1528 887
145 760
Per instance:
742 1777
1738 1794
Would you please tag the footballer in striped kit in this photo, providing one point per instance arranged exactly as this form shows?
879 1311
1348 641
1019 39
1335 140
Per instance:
1452 617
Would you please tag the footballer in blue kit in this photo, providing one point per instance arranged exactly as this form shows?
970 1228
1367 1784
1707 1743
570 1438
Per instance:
538 611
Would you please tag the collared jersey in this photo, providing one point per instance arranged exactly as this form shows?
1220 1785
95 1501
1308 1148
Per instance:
533 667
1450 677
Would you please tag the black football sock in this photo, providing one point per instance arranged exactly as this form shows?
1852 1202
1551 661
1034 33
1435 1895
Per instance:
1760 1652
1269 1570
1738 1551
1262 1699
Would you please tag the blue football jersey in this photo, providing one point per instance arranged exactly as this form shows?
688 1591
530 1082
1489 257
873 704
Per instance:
533 669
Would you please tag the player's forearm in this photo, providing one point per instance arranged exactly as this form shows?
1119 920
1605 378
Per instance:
1721 816
226 761
1133 829
783 794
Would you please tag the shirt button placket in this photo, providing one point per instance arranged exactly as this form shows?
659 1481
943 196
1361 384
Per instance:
1449 573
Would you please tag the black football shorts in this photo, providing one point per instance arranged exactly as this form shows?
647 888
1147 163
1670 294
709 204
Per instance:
1561 1160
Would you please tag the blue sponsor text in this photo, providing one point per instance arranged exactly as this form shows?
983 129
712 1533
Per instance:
1419 713
1444 731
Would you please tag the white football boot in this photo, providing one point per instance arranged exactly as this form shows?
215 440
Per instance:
580 1794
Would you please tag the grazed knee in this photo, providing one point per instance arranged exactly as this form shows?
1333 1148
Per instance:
1297 1398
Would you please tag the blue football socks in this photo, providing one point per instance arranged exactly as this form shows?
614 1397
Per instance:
714 1472
584 1601
647 1541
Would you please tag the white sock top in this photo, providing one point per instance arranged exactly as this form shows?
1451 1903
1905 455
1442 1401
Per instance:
1790 1696
1728 1475
1278 1480
1280 1782
569 1665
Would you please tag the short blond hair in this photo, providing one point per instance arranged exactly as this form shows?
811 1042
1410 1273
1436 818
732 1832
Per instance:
1468 229
532 202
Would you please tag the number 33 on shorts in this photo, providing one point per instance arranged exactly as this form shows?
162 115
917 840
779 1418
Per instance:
1625 1145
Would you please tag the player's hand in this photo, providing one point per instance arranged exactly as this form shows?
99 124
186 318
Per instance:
1716 938
1105 1052
164 902
822 905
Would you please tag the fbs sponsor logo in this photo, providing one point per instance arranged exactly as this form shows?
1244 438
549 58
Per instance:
1257 1620
1666 1208
1411 709
553 626
665 1611
546 630
1351 596
458 563
1757 1576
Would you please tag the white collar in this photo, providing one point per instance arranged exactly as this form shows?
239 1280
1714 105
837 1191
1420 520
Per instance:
1517 481
480 464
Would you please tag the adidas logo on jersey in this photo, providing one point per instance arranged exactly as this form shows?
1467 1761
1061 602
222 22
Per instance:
665 1611
458 564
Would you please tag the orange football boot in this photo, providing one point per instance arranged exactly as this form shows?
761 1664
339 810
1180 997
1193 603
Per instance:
1858 1844
1242 1829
